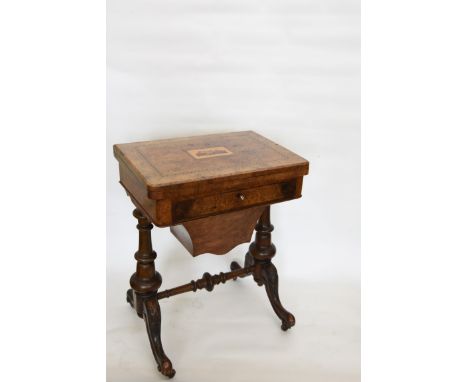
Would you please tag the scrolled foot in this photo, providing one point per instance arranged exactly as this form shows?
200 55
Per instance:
248 262
130 297
234 266
288 323
166 368
269 278
152 317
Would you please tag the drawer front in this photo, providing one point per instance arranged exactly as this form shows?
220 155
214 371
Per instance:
236 200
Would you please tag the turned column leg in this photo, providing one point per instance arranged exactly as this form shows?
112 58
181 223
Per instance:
145 283
261 251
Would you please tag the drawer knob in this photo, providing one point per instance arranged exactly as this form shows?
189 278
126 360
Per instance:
241 196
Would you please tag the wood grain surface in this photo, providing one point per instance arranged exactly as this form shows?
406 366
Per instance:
173 181
218 234
169 164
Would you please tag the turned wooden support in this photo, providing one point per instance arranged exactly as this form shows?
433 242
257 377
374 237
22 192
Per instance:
145 283
261 251
207 282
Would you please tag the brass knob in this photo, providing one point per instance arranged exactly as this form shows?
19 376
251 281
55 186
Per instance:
241 196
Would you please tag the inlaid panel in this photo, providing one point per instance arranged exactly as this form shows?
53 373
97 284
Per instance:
183 162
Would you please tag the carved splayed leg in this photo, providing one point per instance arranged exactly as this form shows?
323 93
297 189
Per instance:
269 278
152 317
145 283
261 251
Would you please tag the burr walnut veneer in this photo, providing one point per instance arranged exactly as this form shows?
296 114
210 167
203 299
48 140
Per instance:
212 191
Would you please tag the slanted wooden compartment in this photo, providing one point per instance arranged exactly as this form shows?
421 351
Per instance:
218 234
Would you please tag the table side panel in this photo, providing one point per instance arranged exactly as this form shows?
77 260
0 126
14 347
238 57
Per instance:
235 200
137 192
211 186
167 212
159 212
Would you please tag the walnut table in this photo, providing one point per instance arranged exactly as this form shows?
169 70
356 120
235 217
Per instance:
213 191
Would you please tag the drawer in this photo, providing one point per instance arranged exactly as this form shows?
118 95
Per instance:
235 200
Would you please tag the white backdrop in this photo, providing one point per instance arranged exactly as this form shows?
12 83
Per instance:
289 70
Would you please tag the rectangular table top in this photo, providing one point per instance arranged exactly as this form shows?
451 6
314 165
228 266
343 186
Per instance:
201 162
